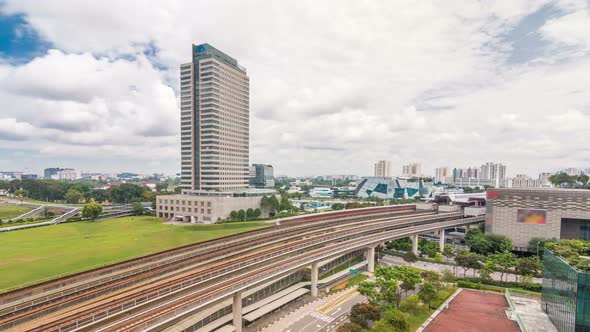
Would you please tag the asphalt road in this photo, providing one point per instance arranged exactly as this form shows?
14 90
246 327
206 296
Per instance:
314 318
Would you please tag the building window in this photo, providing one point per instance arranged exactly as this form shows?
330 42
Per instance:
208 211
189 209
208 204
183 209
203 211
183 202
202 203
177 208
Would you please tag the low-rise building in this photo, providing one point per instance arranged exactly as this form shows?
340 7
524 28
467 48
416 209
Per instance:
321 192
208 207
525 213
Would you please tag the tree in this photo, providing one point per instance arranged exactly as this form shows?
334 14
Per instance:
528 265
257 213
233 215
162 186
403 244
477 241
583 179
537 245
393 321
350 327
408 277
503 262
125 193
467 260
427 292
285 204
91 210
499 243
562 180
250 214
429 248
448 251
73 196
409 257
98 195
337 206
21 193
265 204
241 215
364 314
138 208
274 204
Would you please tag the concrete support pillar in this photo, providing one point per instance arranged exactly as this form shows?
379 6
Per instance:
414 244
371 259
237 311
314 279
441 237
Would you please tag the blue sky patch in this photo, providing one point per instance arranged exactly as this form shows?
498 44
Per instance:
19 42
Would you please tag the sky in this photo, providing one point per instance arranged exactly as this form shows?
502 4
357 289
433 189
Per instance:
335 85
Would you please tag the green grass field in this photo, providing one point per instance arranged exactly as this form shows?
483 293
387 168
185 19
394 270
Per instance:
8 211
37 254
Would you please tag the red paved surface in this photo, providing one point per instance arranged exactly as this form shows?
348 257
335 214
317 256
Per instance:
474 311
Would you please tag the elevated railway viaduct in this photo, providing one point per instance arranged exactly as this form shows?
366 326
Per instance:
155 292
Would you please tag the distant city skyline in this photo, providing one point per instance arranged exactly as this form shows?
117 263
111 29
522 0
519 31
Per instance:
442 84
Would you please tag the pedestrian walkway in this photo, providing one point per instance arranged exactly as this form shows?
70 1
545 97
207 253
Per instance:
529 309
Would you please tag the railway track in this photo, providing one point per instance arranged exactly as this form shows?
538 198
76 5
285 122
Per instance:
142 269
157 290
150 318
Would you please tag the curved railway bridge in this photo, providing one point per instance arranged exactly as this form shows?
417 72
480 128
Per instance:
155 292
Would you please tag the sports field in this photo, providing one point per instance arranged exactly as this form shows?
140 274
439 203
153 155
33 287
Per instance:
33 255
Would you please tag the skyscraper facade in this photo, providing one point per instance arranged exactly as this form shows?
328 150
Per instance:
215 119
383 168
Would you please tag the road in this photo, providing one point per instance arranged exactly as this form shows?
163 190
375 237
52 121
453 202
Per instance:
319 314
394 260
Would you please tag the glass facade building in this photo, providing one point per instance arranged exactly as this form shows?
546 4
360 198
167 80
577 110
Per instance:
566 294
214 121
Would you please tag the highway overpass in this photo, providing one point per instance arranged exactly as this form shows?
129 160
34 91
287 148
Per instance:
158 291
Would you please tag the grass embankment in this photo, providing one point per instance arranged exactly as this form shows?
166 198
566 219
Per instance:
9 211
38 254
418 318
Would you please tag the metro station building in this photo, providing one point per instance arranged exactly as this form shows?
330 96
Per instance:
525 213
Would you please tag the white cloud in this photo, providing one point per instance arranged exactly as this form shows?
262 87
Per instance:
334 86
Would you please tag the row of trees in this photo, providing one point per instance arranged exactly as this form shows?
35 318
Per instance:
77 192
570 181
243 215
386 311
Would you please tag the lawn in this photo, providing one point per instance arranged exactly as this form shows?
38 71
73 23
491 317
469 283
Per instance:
9 211
417 319
37 254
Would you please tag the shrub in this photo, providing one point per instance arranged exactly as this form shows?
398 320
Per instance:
468 284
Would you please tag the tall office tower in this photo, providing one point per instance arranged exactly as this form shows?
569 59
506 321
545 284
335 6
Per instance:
442 174
383 168
215 117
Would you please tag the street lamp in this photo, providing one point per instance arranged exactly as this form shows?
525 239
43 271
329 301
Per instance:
538 242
